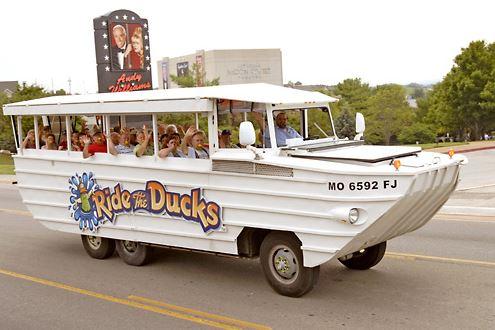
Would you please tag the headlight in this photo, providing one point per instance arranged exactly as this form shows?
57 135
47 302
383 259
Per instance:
353 216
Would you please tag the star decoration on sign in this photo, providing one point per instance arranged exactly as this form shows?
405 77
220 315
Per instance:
133 18
105 46
106 58
148 68
145 25
146 47
124 17
104 23
146 37
107 68
104 35
147 58
116 17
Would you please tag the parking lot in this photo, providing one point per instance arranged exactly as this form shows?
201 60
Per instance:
441 276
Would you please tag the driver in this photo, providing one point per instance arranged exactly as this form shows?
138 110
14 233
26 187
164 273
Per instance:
282 131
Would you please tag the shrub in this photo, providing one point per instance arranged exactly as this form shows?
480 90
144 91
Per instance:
417 132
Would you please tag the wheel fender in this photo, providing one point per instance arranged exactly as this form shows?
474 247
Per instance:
318 249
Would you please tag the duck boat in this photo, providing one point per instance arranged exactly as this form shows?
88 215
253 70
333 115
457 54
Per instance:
295 206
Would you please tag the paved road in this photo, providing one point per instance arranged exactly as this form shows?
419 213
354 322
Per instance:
480 170
441 276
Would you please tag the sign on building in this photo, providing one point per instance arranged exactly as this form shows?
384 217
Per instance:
122 52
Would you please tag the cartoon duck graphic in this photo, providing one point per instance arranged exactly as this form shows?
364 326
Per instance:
84 199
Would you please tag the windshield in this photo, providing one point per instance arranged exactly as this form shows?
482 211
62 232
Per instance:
300 125
320 123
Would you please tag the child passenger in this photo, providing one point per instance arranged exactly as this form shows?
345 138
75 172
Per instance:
50 143
170 146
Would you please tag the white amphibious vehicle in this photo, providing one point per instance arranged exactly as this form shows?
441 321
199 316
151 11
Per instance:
295 206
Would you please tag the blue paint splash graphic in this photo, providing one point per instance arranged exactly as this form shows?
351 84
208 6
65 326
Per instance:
82 208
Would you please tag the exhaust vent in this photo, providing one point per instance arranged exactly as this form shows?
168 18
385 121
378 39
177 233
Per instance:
251 168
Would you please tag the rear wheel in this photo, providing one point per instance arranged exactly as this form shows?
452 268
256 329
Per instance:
282 262
134 253
98 247
365 258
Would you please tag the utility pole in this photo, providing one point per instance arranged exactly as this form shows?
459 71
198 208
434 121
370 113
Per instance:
70 85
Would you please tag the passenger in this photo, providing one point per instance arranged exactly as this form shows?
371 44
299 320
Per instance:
161 129
44 132
282 131
81 140
63 141
193 144
50 143
125 137
144 146
29 142
116 145
170 145
224 140
116 129
132 138
75 142
99 145
171 129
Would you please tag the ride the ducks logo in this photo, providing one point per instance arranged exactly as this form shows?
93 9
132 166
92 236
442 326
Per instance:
92 205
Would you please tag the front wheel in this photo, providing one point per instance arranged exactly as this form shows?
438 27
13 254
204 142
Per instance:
98 247
282 262
365 258
134 253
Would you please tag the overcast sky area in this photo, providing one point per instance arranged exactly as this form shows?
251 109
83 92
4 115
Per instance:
322 42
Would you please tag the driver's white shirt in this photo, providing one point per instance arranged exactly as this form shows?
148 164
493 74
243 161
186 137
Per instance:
281 134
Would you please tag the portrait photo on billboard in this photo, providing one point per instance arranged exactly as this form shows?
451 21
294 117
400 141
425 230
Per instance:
127 46
182 69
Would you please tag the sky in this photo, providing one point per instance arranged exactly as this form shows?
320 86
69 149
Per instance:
322 42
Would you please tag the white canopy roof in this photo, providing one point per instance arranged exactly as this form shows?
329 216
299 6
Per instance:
184 99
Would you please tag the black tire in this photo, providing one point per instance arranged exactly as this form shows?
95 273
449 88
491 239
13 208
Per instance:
292 278
134 253
362 260
98 247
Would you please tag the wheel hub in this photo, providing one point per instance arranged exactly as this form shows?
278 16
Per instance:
94 242
130 246
285 263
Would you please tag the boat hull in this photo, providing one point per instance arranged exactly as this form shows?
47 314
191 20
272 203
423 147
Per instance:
301 203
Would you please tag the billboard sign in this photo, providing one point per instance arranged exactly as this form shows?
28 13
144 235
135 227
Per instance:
122 52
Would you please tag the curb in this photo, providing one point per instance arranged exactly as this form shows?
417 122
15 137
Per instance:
470 150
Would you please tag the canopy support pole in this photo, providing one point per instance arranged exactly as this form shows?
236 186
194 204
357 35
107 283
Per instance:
107 131
19 132
155 135
68 134
36 133
271 126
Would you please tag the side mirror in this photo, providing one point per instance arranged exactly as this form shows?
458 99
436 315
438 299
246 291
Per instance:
247 135
360 126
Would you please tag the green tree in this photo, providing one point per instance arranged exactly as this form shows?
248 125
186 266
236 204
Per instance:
23 93
464 102
194 78
387 114
345 124
471 86
354 94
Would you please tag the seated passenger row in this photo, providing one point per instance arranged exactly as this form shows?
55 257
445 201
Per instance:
126 141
